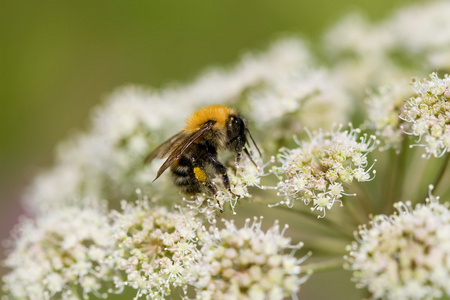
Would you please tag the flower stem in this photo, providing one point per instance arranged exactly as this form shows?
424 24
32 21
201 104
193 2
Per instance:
323 266
441 172
329 224
363 198
440 175
390 182
396 180
354 213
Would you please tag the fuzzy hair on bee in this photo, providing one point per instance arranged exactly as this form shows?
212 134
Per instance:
192 153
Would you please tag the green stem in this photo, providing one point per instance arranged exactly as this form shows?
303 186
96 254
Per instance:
396 182
341 231
352 212
441 173
328 265
390 182
321 249
362 194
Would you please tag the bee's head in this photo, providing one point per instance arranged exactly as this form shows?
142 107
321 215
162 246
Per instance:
236 129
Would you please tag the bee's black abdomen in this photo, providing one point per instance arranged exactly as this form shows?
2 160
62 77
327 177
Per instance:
183 176
181 171
188 185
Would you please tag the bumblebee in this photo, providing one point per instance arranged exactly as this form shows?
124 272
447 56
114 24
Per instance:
192 153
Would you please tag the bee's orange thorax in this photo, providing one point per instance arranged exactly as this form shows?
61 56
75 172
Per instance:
218 113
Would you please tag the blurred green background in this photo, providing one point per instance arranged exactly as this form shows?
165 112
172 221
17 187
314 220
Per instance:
60 58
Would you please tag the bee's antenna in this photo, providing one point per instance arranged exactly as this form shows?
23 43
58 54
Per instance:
259 152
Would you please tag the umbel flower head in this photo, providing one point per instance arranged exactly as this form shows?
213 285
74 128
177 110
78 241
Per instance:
248 263
60 254
413 39
306 96
318 169
384 106
156 249
405 255
429 114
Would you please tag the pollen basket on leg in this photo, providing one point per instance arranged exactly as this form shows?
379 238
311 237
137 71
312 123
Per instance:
200 175
218 113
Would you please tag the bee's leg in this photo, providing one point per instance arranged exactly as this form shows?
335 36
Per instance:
238 158
238 148
222 170
212 188
201 177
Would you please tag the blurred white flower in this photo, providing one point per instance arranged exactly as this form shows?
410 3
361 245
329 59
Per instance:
355 35
60 253
106 161
248 263
224 86
405 255
318 169
412 40
422 30
429 114
305 96
357 49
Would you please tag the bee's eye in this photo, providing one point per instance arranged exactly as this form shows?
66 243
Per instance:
235 122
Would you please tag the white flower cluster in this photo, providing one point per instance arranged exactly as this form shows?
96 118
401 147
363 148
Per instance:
414 39
297 96
356 58
318 169
405 255
248 175
156 249
422 31
429 114
62 254
248 263
384 107
107 161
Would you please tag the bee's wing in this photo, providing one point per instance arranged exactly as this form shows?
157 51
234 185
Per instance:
167 147
180 148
